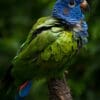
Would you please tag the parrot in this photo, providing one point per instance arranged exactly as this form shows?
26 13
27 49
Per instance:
51 44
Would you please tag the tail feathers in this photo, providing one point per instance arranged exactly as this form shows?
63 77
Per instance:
24 90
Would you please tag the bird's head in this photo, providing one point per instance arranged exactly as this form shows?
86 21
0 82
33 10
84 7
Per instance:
70 10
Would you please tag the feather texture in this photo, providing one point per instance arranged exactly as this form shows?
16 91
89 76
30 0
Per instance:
25 89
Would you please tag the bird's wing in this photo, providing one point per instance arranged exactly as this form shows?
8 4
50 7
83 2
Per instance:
43 33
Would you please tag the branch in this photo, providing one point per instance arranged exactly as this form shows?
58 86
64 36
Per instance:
59 90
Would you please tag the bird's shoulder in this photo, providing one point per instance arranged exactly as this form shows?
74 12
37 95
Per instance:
44 21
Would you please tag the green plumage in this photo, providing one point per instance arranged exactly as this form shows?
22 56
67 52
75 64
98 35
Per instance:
46 52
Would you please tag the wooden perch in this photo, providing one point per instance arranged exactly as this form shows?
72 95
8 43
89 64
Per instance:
59 90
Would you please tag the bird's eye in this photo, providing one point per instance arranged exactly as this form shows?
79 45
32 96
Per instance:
72 3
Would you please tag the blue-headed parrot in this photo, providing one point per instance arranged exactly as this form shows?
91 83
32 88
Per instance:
52 42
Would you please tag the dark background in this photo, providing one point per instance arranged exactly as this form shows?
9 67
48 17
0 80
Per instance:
17 18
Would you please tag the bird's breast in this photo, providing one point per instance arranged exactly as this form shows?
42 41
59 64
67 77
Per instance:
62 47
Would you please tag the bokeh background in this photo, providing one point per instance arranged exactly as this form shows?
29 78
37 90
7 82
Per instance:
16 20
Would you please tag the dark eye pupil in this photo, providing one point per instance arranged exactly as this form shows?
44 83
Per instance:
72 3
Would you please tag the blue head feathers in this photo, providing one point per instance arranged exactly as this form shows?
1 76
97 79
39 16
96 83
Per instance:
70 12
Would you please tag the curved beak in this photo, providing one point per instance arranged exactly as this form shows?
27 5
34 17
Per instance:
85 6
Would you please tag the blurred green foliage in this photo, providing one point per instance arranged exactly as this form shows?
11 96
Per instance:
17 18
